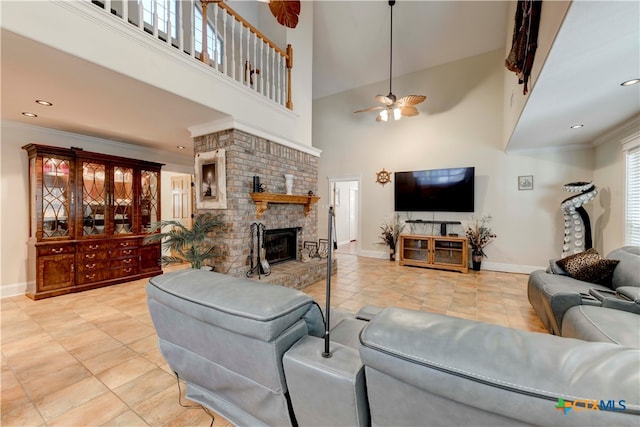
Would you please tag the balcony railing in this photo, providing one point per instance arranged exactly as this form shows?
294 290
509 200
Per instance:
213 33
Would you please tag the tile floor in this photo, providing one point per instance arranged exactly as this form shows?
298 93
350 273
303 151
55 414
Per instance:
91 359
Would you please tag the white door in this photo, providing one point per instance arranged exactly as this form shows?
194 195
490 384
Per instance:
353 214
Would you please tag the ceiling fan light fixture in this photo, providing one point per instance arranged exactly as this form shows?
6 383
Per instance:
630 82
394 108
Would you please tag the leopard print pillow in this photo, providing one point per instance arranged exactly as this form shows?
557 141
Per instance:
589 266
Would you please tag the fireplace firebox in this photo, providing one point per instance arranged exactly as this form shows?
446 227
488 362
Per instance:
281 245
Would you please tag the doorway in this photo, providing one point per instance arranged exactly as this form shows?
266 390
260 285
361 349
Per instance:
344 195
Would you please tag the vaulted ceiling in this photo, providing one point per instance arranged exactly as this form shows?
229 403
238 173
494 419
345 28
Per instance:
597 48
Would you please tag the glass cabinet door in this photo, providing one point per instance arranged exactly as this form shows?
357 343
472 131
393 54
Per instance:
122 200
149 200
94 198
56 197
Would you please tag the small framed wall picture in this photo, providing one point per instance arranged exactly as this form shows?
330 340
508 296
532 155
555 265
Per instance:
525 182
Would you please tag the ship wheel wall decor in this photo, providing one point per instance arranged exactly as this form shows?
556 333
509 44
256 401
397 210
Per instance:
383 177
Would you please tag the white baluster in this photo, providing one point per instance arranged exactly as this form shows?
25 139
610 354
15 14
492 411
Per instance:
255 62
248 54
225 54
167 10
240 55
233 48
262 67
215 37
155 18
107 6
279 87
140 16
125 11
192 28
180 34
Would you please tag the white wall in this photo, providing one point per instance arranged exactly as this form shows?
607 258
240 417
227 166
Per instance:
14 191
609 176
460 124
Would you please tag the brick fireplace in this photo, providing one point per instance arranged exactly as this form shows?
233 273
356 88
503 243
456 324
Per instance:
247 156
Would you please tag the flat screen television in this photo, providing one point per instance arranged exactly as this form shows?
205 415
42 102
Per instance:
437 190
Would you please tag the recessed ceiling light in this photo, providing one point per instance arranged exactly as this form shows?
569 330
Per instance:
576 126
29 114
181 147
43 102
630 82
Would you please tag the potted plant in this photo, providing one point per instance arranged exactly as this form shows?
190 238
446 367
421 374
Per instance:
390 233
194 245
479 235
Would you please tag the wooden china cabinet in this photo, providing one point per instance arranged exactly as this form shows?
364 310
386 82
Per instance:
89 214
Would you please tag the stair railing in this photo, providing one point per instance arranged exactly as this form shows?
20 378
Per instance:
226 41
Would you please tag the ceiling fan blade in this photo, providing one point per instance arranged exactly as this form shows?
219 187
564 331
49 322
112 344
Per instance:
409 111
386 99
412 100
369 109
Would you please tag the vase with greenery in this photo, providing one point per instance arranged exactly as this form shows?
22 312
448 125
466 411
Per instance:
390 233
194 245
479 235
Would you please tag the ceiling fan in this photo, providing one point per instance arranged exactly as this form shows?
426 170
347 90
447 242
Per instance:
394 108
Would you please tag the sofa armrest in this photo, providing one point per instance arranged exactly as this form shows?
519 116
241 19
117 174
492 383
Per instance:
517 374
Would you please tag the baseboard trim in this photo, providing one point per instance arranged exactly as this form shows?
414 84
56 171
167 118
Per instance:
13 290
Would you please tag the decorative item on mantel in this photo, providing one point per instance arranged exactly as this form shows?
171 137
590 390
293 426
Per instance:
288 183
479 235
390 233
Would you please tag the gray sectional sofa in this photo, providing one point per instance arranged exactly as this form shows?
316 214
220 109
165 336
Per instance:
574 308
253 353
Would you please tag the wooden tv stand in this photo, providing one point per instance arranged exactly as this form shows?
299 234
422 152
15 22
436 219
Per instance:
442 252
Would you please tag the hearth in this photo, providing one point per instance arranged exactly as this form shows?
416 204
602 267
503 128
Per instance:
281 244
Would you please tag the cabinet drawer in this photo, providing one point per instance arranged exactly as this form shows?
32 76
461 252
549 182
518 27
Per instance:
55 250
91 276
124 262
84 257
123 253
93 247
92 266
124 271
124 244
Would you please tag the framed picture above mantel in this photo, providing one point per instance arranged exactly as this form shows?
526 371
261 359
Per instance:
211 180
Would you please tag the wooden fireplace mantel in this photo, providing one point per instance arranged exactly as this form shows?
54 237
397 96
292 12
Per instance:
262 201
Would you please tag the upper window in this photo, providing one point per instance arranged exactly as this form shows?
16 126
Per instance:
166 12
213 40
632 196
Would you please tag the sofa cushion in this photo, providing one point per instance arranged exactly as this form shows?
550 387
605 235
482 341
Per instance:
591 323
589 266
250 308
627 273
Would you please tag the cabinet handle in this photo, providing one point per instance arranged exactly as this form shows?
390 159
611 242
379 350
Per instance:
127 261
90 276
57 250
90 266
128 270
93 247
124 244
127 252
90 256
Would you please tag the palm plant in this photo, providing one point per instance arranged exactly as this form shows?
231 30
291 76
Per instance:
193 245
